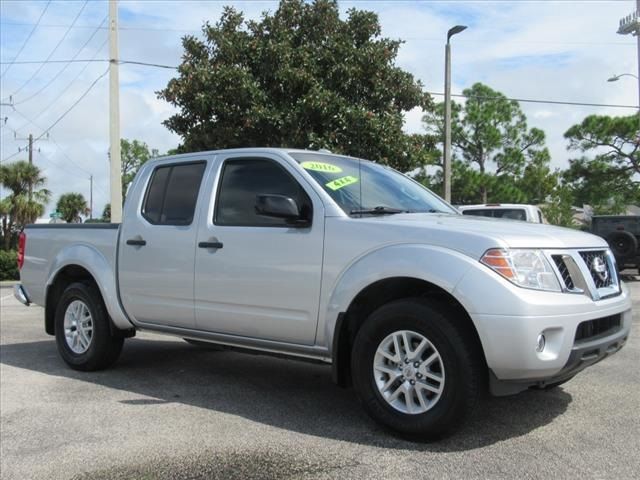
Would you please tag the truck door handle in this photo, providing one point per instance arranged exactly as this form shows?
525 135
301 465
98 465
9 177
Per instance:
210 244
137 242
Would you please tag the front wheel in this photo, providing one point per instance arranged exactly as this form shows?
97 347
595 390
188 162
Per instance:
416 369
83 333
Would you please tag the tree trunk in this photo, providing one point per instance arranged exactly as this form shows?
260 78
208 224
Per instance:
483 189
6 231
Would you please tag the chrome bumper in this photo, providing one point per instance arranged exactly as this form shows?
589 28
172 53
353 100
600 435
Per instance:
21 294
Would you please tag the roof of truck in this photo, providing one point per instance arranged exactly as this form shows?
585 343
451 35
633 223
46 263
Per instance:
251 150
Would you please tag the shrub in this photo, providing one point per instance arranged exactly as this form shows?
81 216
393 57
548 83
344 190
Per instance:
9 265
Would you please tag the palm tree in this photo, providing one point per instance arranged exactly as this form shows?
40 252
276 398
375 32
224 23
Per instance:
72 206
20 208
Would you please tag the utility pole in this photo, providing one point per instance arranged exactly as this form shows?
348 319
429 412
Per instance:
30 151
30 163
114 116
631 25
446 165
91 197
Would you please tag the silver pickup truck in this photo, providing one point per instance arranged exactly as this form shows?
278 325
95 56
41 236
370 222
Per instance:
331 259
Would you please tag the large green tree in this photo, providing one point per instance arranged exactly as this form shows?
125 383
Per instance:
72 206
499 157
19 208
299 77
608 179
133 154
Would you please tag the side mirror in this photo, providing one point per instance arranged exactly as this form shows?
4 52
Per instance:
280 206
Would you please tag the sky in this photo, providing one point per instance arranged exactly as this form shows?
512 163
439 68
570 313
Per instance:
544 49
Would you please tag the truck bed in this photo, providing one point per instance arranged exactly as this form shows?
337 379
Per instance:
48 245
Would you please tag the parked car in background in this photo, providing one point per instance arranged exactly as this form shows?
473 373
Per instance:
511 211
622 233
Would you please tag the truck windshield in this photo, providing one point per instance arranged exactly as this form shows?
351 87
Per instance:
364 187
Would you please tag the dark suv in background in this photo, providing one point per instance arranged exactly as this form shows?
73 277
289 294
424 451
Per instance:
622 233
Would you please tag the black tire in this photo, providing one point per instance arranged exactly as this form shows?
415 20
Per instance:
104 349
201 344
464 366
623 245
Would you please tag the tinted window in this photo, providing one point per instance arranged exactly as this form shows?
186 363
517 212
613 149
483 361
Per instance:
511 213
155 195
478 213
173 193
242 180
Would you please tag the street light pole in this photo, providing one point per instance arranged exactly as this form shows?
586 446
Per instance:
446 166
631 24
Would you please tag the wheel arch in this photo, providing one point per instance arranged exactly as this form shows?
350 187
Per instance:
85 264
379 293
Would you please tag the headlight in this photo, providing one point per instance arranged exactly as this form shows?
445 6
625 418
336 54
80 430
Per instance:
525 268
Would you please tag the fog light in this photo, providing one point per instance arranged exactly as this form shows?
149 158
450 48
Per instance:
541 343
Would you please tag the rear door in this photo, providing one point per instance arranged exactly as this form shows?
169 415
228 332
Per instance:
263 279
157 245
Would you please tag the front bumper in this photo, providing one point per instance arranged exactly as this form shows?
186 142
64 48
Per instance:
583 355
21 294
509 320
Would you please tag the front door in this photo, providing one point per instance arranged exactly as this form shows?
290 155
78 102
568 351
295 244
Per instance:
157 245
258 276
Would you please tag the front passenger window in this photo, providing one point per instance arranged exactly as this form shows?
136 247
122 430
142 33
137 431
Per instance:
242 180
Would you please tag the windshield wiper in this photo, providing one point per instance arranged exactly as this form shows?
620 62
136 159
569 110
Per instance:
378 211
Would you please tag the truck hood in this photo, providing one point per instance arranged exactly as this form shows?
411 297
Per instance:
475 235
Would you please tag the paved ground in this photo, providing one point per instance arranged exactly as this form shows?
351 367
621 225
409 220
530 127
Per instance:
169 410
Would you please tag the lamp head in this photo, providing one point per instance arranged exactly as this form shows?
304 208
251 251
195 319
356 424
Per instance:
454 30
614 78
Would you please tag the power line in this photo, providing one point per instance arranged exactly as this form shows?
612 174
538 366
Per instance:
35 26
62 166
121 27
99 60
66 88
46 131
146 64
11 156
532 100
58 147
47 62
86 92
63 69
52 51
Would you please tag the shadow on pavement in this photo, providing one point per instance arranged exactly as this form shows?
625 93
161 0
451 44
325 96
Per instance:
282 393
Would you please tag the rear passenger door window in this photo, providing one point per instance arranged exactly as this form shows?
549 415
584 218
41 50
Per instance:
172 194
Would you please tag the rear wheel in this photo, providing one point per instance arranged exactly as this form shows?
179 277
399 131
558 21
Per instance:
83 333
415 369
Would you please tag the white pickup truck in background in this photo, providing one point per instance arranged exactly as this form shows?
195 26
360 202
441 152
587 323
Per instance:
331 259
510 211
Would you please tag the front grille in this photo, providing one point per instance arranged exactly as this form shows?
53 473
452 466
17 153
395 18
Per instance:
564 272
598 327
598 268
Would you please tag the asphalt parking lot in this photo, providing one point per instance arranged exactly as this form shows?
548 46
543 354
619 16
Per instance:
171 410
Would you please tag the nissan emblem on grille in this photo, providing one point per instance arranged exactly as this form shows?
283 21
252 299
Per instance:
599 268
